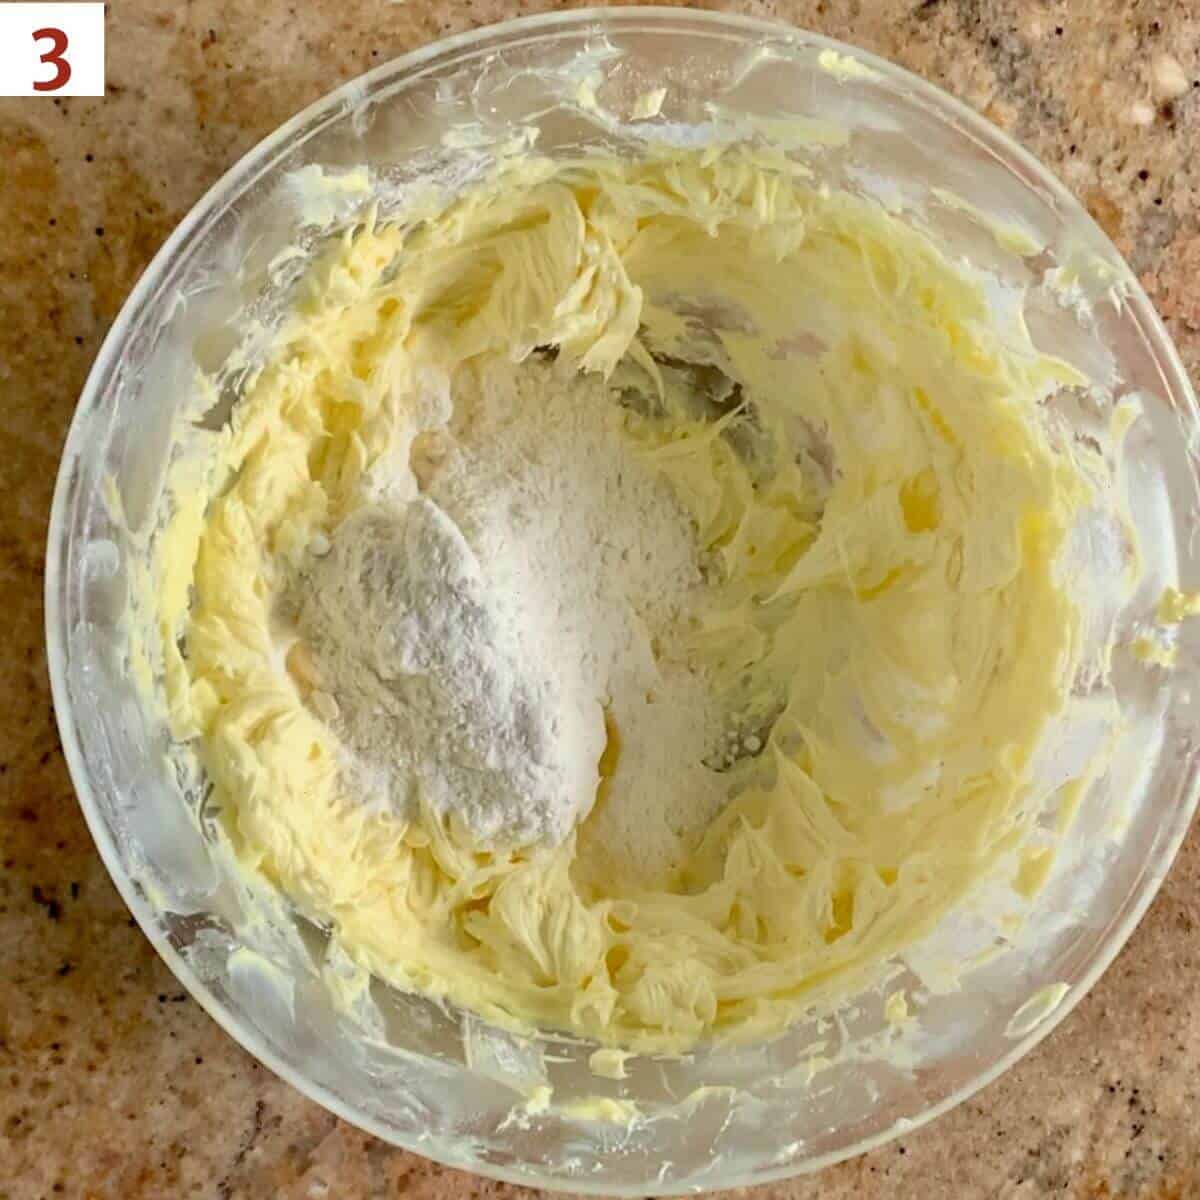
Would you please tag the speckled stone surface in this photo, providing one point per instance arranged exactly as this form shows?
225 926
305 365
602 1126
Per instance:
113 1083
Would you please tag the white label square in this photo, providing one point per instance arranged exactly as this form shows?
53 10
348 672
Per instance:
51 49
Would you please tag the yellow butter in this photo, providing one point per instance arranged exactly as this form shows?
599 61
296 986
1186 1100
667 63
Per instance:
883 513
1175 606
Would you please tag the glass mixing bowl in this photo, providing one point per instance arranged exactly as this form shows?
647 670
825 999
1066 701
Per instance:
443 1083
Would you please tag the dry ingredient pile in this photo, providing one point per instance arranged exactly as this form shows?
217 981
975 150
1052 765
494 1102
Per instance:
629 597
482 645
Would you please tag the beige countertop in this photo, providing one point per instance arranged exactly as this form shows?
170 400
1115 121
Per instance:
113 1083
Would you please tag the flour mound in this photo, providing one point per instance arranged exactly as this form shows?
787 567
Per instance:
430 684
487 641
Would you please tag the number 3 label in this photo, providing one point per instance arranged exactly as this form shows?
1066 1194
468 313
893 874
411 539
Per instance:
51 49
54 56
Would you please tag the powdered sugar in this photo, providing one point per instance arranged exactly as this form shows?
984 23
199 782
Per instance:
486 641
432 688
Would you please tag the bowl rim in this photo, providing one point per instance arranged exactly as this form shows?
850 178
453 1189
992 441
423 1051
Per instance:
258 161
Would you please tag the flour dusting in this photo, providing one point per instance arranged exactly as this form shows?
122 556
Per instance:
500 629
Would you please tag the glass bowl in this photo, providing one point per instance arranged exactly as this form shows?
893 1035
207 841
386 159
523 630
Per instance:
442 1082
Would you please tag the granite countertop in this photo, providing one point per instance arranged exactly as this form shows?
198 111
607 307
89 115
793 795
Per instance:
114 1082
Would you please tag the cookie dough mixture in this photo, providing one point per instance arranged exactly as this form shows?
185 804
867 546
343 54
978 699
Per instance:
629 599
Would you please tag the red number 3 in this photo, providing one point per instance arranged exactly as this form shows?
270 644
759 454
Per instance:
62 68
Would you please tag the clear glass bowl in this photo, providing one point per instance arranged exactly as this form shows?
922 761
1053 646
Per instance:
443 1083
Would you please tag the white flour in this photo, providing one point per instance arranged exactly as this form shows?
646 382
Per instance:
496 642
